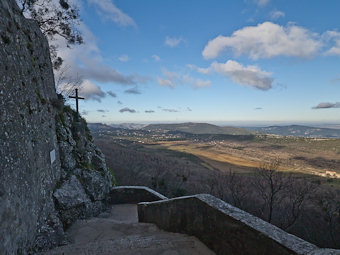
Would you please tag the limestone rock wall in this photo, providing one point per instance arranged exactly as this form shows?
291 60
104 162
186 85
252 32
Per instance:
27 131
50 171
85 180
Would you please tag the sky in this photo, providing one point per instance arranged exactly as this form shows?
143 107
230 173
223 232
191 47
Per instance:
250 61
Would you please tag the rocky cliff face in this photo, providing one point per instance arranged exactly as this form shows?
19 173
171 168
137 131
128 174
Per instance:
50 171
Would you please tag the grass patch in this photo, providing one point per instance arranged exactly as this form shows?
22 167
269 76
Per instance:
114 181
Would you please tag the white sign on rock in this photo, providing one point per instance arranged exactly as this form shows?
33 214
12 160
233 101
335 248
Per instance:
52 156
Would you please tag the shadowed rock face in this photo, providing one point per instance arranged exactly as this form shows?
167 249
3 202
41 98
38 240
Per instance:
43 152
27 131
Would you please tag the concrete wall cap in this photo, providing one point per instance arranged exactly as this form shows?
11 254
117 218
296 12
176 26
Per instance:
141 188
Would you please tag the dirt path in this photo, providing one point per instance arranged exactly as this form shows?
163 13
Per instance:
118 232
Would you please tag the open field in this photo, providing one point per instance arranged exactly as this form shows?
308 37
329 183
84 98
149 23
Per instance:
300 155
238 153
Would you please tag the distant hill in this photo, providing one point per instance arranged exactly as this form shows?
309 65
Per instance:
299 131
102 127
128 125
199 128
99 127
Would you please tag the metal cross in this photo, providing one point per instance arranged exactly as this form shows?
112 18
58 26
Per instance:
76 97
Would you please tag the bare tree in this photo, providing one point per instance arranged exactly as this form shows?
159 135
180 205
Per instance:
237 188
297 194
66 83
329 204
269 183
181 177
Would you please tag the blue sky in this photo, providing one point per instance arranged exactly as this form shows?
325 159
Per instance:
248 61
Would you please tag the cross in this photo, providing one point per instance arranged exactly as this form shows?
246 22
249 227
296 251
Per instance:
76 97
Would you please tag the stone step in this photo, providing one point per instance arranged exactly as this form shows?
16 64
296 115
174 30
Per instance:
118 232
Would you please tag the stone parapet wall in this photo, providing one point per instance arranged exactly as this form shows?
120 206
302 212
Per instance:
133 195
222 227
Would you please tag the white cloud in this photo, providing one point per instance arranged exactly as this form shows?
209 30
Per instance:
199 69
108 10
90 90
156 58
266 40
124 58
277 14
85 61
165 82
333 36
250 75
172 41
172 79
199 83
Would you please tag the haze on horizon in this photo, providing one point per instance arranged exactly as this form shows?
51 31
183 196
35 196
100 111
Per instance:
222 62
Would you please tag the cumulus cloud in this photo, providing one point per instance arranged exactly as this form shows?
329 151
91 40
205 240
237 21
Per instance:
250 75
172 79
134 91
127 109
170 110
327 105
149 111
124 58
172 41
90 90
156 57
277 14
112 94
245 75
266 40
108 10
